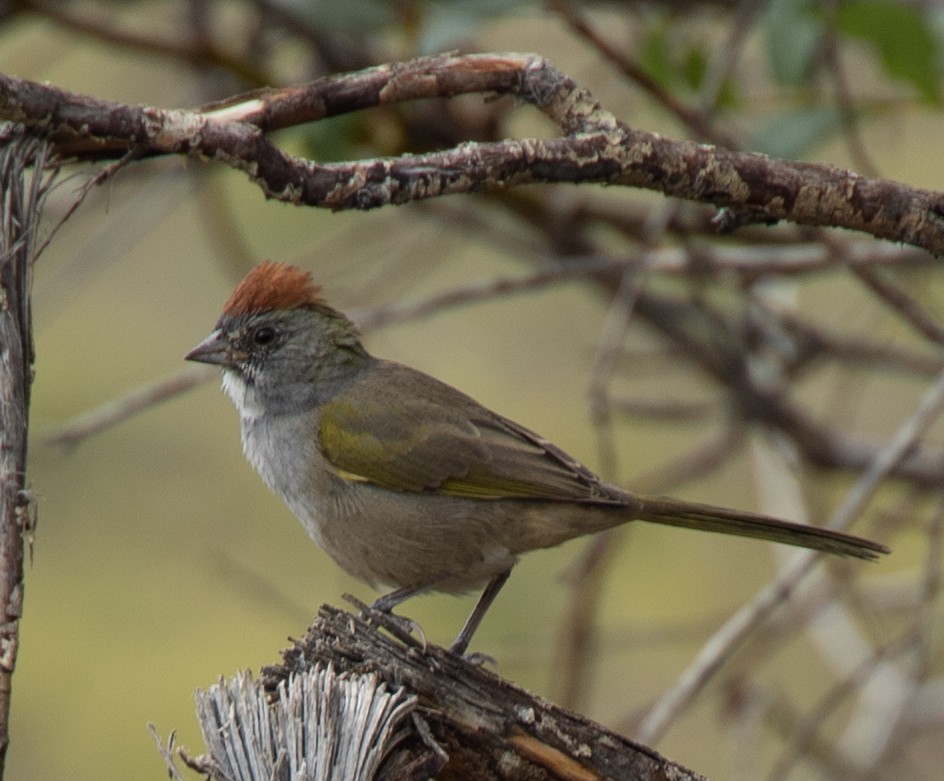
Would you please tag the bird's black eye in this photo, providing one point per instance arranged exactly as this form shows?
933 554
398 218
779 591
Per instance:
263 335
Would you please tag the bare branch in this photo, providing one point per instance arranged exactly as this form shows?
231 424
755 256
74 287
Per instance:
910 310
23 196
595 147
742 623
73 432
197 51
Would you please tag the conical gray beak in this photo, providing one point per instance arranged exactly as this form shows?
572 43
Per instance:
214 349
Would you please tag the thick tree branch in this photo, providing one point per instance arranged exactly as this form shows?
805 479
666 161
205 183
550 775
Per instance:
594 147
487 727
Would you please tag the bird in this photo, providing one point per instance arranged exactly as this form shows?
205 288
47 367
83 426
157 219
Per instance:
405 481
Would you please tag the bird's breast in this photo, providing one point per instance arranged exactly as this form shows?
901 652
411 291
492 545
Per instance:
284 451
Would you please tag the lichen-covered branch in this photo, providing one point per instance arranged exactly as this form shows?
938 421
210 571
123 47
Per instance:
593 147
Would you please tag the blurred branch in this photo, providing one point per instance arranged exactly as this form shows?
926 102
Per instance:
806 730
715 342
595 147
781 716
194 50
485 290
578 633
74 431
851 122
742 623
23 194
905 305
339 52
813 342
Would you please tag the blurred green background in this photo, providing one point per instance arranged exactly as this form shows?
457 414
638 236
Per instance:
161 562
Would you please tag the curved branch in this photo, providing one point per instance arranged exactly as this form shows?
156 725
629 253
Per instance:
594 147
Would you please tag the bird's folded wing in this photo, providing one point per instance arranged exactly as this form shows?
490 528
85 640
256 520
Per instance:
406 431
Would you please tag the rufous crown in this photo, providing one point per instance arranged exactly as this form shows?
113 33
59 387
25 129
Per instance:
272 285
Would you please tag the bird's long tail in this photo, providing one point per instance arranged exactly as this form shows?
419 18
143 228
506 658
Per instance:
673 512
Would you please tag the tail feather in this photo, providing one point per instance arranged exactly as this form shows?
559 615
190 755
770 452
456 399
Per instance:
672 512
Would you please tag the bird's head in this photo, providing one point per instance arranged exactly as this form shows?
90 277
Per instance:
281 347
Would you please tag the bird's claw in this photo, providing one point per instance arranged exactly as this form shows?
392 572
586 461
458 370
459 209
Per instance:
480 660
404 629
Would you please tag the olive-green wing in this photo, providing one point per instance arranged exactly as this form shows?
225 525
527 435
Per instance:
403 430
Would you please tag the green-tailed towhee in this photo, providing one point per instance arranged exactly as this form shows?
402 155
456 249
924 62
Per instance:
406 481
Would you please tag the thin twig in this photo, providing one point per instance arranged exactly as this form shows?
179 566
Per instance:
741 624
851 130
73 432
726 56
105 173
903 303
807 728
887 698
23 194
484 290
197 51
697 121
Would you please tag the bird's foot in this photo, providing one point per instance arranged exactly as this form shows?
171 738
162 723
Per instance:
379 612
479 659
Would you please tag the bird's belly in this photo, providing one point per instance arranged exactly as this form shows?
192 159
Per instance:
406 540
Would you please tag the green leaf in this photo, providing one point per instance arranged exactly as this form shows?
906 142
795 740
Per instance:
693 69
353 16
333 138
793 32
792 135
694 66
902 38
446 24
655 56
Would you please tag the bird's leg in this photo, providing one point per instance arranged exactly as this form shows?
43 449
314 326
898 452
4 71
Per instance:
400 626
388 602
478 613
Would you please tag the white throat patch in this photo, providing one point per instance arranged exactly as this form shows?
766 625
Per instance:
241 395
